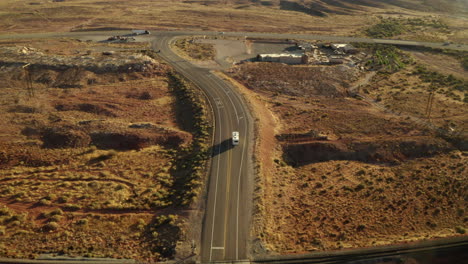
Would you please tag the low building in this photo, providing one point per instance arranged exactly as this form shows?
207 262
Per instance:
346 48
305 46
337 60
283 58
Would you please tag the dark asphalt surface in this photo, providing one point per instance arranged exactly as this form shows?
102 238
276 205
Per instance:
227 213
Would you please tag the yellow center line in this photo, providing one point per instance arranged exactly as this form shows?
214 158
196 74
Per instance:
228 184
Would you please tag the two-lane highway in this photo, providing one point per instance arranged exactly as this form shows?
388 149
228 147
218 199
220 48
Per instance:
227 215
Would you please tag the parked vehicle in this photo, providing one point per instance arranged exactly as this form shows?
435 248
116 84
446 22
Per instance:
140 32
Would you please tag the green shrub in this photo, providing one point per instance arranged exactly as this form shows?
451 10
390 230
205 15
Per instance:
390 27
386 28
460 230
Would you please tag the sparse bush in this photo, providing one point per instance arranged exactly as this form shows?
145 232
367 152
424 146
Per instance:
386 28
15 223
460 230
4 211
62 199
44 202
359 187
49 227
360 172
389 27
82 222
57 211
55 218
72 207
145 96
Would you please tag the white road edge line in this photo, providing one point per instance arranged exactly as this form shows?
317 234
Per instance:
238 192
216 187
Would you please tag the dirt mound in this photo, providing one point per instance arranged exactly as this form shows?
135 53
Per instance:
296 81
388 151
136 140
65 138
25 109
88 108
74 71
111 135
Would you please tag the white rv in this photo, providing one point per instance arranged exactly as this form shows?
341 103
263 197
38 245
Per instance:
235 138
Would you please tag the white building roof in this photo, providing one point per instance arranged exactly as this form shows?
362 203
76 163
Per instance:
277 55
339 46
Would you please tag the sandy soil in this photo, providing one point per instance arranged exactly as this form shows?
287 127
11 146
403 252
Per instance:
314 194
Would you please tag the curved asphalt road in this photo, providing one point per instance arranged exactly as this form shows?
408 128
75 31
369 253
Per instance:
227 213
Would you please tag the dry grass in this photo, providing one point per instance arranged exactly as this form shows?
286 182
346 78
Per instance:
79 197
392 189
189 48
407 91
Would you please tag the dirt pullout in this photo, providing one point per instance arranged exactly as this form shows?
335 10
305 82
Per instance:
296 81
380 151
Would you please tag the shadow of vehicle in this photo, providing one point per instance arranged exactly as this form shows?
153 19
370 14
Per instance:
219 148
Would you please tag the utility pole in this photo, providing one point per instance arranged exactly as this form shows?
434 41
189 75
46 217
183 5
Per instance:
29 83
429 105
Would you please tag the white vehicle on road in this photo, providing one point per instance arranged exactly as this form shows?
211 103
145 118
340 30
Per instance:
235 138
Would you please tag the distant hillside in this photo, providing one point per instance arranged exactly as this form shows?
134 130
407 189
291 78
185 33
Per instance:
325 7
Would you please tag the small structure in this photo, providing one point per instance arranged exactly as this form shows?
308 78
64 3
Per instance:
336 60
283 58
140 32
305 46
346 48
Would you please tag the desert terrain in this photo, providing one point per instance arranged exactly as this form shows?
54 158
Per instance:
89 148
103 147
436 20
349 158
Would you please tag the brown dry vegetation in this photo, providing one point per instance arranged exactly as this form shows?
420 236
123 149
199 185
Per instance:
339 172
341 17
192 50
407 90
88 153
